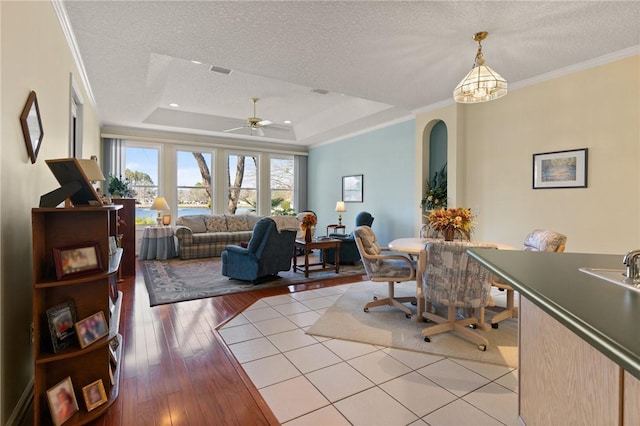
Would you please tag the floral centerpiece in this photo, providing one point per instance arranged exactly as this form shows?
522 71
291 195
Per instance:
309 220
435 195
452 221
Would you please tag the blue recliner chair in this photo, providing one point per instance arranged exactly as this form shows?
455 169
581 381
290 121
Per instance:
267 253
349 254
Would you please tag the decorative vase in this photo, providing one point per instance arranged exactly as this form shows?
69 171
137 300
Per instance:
307 235
449 233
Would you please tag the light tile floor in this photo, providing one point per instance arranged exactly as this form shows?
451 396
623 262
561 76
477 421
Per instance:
309 380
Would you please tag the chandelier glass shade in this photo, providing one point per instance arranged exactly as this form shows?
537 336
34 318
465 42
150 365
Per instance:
481 84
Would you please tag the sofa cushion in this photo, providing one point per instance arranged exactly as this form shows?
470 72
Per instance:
194 222
252 219
237 223
216 223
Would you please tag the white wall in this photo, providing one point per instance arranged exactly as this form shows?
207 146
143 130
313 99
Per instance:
596 109
35 56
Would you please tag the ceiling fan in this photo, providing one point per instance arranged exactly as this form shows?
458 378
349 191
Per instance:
253 123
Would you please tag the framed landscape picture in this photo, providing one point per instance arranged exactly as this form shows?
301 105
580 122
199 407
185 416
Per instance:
560 169
352 189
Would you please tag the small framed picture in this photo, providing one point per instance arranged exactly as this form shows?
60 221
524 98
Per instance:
560 169
166 219
62 401
113 246
352 189
94 394
61 319
78 259
91 329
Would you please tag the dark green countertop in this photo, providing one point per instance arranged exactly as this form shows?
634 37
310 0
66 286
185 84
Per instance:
604 314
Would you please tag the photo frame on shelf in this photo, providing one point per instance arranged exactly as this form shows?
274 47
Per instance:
113 245
91 329
94 394
62 401
352 189
31 123
166 219
560 169
77 259
61 319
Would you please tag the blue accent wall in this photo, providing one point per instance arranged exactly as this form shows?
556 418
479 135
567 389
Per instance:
386 158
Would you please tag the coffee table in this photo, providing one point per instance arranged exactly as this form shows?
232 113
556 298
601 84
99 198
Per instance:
320 244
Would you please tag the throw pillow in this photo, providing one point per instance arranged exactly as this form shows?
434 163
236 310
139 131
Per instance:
195 222
237 223
216 223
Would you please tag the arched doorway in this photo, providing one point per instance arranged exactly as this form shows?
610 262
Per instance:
434 164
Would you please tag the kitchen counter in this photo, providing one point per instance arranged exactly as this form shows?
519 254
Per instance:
605 315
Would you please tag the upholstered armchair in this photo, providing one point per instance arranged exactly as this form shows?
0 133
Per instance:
349 254
536 240
384 268
269 251
456 280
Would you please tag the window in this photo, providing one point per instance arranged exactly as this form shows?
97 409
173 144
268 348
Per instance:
141 170
194 183
242 174
282 179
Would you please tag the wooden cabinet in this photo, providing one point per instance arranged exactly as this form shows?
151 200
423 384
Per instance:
89 293
127 228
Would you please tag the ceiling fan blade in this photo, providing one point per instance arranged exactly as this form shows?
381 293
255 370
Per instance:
260 131
264 122
234 129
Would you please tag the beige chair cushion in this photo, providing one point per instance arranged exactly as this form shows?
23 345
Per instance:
542 240
368 238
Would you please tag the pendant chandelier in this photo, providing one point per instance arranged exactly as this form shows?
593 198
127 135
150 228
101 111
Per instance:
481 84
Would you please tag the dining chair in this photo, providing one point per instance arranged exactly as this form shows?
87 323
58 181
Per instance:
390 268
536 240
454 279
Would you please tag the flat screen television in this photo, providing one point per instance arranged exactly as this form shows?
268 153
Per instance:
74 185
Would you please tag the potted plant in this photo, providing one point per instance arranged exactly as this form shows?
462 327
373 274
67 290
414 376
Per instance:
435 195
120 188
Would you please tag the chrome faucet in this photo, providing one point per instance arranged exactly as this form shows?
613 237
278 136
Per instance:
631 261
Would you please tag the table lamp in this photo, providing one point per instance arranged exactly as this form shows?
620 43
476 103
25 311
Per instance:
159 204
340 208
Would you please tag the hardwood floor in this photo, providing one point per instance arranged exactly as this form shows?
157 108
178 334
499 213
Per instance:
176 369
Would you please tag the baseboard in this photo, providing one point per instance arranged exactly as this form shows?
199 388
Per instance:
22 407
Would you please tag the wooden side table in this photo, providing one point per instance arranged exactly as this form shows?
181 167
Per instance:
335 228
307 247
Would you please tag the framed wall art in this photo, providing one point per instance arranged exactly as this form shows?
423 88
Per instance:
560 169
32 126
352 189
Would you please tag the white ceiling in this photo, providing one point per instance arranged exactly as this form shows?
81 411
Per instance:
380 61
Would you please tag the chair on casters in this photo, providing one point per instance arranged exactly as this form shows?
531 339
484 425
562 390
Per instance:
536 240
384 268
456 280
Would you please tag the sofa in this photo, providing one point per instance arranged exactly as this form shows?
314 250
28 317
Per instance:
207 235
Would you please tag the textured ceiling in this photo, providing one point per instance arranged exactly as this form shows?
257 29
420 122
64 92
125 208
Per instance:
380 61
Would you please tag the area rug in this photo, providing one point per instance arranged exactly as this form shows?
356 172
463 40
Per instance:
175 280
386 326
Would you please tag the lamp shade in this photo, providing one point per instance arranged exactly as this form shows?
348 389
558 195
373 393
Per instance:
481 84
91 168
160 204
340 207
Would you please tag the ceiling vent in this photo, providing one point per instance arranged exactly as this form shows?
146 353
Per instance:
320 91
220 70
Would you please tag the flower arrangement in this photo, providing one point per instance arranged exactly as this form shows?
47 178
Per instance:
309 220
458 219
435 195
